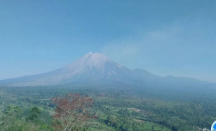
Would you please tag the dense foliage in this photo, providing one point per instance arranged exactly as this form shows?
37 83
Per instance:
24 109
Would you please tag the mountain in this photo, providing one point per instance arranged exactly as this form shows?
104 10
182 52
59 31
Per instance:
91 69
94 69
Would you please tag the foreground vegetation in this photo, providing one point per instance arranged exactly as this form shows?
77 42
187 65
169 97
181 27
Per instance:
24 109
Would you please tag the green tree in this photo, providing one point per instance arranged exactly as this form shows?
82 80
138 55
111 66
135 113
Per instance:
34 114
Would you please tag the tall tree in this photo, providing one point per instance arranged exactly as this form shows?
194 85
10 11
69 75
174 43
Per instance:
72 111
34 114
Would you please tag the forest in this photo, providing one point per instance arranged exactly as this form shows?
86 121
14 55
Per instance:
107 109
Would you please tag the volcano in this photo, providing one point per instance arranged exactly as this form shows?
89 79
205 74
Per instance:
95 69
91 69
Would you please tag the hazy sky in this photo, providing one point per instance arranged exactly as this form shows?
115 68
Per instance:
165 37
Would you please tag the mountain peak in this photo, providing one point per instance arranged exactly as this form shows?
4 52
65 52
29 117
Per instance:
95 59
98 55
90 60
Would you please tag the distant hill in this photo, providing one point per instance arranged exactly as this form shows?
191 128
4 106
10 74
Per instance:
94 69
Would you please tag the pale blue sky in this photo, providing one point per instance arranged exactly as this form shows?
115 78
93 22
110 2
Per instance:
165 37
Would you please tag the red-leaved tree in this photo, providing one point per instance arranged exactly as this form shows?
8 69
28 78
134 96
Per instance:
72 112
